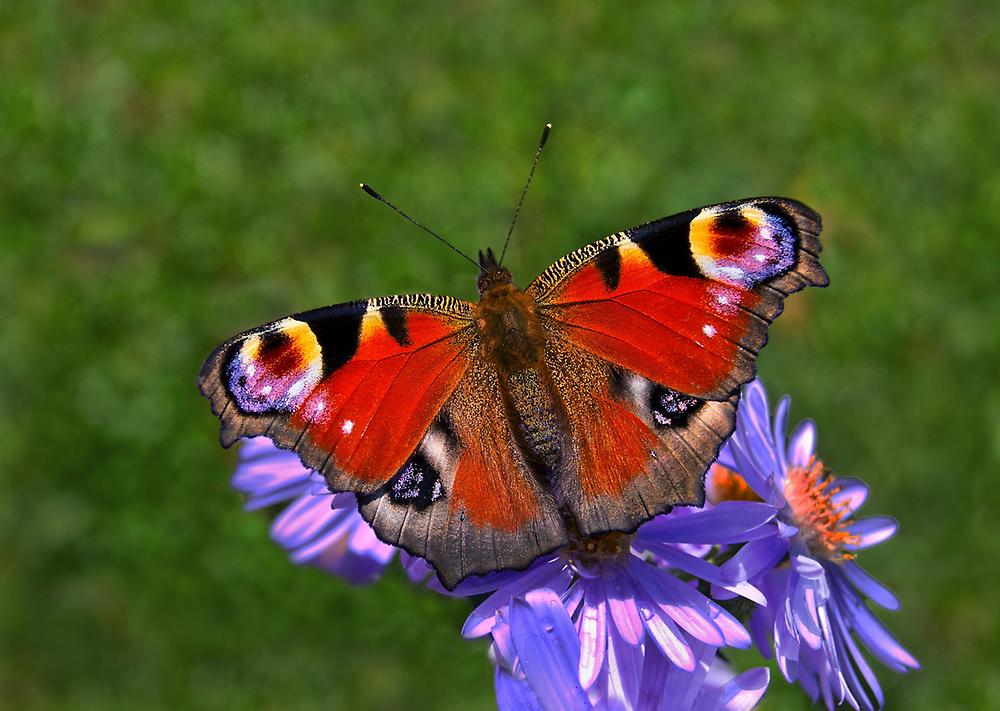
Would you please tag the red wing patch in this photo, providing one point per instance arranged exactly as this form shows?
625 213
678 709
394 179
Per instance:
371 413
613 447
489 487
683 332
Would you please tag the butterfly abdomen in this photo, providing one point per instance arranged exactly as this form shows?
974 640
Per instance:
539 419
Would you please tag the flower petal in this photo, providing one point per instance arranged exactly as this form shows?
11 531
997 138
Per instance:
665 634
319 487
872 530
754 422
483 618
805 614
262 496
694 612
548 648
655 673
308 518
786 530
856 661
868 586
479 584
354 568
505 655
417 569
709 573
755 558
593 632
572 597
778 429
851 493
621 605
745 691
879 640
760 631
758 478
513 695
681 689
624 672
802 444
753 432
363 541
726 522
808 567
726 458
268 475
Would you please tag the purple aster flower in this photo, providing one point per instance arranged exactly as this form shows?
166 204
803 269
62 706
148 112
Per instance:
542 663
627 610
803 559
317 528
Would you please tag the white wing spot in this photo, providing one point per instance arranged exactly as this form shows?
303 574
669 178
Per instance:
266 389
347 427
709 330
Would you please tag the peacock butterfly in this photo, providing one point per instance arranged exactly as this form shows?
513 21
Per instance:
481 435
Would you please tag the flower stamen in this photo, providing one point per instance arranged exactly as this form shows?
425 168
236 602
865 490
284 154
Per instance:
726 485
821 519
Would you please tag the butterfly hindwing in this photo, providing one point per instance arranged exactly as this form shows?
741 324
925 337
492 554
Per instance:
640 447
482 506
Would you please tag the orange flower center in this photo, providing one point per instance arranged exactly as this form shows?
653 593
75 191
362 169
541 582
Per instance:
726 485
821 520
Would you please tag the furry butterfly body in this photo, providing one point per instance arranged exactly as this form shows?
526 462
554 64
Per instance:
481 435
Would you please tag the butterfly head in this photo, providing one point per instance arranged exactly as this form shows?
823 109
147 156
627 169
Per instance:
491 274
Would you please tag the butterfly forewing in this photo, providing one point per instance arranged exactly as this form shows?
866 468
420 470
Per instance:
351 388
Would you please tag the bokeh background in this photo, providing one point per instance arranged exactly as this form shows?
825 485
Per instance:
172 173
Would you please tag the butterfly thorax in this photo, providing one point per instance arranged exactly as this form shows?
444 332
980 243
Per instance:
510 332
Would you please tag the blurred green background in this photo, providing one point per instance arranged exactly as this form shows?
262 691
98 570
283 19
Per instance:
172 173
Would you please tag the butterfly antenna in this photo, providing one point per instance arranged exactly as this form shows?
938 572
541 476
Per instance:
368 189
517 210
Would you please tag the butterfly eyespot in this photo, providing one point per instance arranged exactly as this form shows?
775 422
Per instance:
671 408
273 370
742 246
417 484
